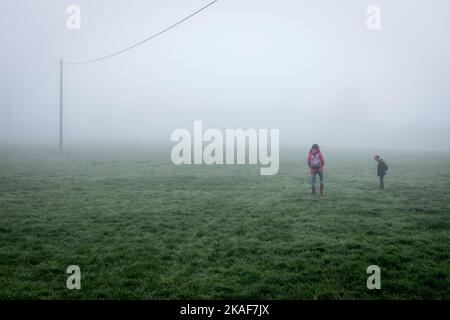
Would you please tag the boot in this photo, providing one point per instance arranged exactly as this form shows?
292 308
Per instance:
313 190
321 189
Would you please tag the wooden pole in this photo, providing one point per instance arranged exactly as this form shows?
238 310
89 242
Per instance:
8 112
61 105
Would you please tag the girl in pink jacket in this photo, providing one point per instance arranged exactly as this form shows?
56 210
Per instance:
316 163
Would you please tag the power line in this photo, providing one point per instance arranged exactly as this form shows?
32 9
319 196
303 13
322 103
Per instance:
30 91
44 80
53 69
61 63
145 40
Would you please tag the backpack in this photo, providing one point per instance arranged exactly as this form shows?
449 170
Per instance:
315 162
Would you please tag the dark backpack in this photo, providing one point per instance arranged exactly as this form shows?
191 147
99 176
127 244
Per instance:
383 166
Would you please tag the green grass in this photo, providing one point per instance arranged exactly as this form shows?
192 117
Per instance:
140 227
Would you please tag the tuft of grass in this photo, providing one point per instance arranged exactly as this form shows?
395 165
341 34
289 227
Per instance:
140 227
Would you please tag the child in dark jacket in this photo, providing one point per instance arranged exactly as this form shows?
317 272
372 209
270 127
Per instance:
382 168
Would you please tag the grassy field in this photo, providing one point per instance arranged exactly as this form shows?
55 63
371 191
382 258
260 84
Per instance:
140 227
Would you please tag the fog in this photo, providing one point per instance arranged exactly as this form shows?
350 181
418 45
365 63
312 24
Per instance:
309 68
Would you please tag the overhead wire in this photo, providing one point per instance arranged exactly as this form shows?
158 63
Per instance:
146 39
30 91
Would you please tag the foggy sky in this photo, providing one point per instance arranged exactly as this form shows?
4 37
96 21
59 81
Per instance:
309 68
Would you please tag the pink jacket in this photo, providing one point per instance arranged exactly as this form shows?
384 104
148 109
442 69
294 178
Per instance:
322 160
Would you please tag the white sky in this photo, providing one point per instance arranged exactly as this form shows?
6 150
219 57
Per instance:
310 68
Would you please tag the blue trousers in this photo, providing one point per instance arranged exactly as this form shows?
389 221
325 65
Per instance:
314 178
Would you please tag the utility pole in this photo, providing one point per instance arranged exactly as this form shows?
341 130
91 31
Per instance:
61 105
8 113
